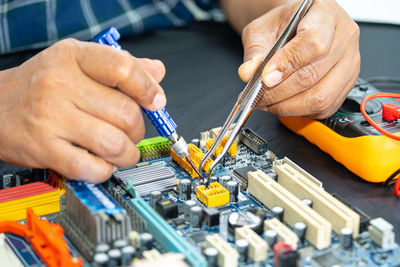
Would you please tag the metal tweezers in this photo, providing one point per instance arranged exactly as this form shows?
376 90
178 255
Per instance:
253 92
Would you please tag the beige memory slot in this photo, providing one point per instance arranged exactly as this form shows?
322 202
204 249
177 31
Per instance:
284 233
270 193
258 247
227 255
338 214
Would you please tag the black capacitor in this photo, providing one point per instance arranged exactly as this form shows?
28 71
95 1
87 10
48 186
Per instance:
277 212
145 241
300 229
185 189
155 196
248 219
223 180
213 179
186 208
120 243
100 260
233 188
346 238
271 237
242 247
196 216
211 255
114 256
128 253
102 248
308 202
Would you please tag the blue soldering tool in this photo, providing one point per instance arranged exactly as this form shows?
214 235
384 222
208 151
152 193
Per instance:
163 122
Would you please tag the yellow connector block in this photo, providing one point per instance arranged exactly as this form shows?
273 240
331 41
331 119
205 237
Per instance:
196 156
232 150
214 196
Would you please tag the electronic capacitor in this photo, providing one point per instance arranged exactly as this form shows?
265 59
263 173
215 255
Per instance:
233 188
155 196
114 256
100 260
271 237
102 248
346 238
145 241
277 212
223 180
120 243
185 189
196 216
242 247
128 253
300 229
211 255
186 208
307 201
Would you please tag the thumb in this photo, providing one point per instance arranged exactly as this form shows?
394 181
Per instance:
154 67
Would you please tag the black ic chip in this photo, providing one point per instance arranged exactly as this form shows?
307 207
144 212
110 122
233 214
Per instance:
198 237
241 173
327 260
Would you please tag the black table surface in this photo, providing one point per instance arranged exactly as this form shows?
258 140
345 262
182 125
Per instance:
202 83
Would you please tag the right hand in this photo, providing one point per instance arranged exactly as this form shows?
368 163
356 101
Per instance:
61 109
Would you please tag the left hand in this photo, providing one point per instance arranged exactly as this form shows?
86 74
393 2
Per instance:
313 73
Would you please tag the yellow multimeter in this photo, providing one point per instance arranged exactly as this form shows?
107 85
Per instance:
351 140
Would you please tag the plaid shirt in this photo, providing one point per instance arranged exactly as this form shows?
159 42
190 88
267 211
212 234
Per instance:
27 24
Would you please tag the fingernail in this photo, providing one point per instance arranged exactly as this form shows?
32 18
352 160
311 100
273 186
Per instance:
159 101
273 78
115 168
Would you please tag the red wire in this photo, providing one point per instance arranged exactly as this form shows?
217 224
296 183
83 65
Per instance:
370 121
396 188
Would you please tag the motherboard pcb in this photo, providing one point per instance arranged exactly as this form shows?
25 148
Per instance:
254 210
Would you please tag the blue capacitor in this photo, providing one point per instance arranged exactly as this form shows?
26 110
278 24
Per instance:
163 122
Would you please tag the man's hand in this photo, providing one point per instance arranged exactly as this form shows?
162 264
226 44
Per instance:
312 74
61 109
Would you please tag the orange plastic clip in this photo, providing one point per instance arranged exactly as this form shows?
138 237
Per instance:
45 238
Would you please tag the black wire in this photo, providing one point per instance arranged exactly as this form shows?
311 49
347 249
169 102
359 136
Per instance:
391 177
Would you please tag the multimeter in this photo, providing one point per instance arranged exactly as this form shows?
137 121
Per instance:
350 139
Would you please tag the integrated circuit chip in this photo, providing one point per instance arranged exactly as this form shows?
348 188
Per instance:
198 237
327 260
241 174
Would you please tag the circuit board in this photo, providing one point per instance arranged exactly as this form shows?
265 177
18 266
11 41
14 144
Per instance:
249 213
